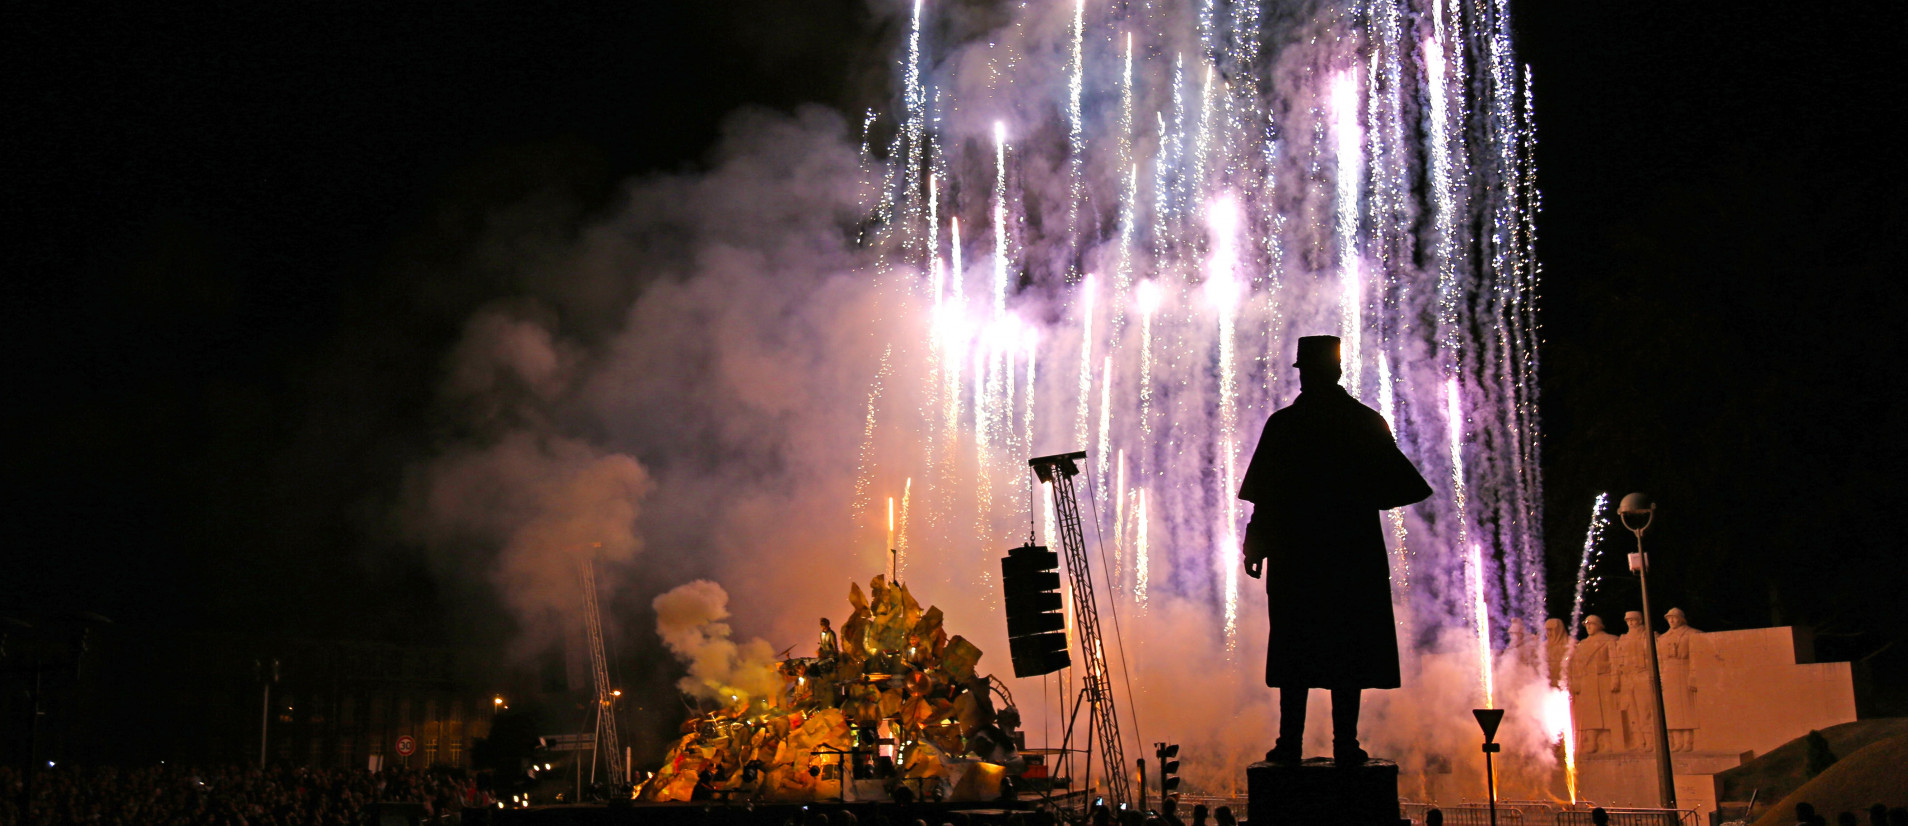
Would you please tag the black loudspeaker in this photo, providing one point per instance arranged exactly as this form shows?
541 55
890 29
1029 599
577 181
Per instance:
1036 630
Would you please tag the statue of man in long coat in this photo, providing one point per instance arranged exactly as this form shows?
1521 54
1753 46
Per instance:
1637 697
1675 648
1593 688
1324 468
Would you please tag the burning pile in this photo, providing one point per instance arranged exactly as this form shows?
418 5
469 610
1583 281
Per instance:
892 703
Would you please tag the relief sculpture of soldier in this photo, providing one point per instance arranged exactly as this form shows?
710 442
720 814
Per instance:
1325 467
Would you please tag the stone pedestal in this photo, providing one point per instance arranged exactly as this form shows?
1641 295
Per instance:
1319 793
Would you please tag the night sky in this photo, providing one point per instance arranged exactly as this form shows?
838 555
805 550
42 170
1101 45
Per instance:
243 240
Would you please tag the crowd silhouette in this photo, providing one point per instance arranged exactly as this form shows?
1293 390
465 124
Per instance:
164 795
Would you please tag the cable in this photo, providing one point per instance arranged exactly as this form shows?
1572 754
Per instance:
1113 607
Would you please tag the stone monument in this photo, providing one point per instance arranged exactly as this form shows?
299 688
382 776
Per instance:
1636 695
1727 696
1593 687
1521 646
1673 649
1556 647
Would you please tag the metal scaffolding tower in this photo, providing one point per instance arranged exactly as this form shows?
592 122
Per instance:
606 740
1059 470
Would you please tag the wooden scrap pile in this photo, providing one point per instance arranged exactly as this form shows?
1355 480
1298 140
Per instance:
897 702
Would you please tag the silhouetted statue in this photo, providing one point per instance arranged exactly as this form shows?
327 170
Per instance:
1325 466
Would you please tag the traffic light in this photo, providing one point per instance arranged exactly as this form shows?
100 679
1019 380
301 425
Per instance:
1168 776
1036 636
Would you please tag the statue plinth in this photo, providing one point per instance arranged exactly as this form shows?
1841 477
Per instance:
1318 792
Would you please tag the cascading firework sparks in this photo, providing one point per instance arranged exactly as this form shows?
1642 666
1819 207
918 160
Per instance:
1236 179
1585 565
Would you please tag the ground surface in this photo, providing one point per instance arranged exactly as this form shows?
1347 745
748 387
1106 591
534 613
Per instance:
1780 771
1876 773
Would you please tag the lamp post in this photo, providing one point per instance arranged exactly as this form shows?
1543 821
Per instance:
1488 720
267 677
1637 512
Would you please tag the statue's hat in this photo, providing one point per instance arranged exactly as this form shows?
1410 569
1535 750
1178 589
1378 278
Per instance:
1317 351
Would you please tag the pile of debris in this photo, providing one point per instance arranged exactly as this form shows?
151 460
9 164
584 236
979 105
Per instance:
890 709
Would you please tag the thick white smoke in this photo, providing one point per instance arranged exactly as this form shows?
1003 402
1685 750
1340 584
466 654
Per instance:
689 620
709 426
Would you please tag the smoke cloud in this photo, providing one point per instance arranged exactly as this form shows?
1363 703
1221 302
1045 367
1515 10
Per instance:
713 415
689 620
522 501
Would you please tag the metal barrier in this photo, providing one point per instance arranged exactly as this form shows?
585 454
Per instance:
1632 817
1413 812
1469 814
1478 814
1535 812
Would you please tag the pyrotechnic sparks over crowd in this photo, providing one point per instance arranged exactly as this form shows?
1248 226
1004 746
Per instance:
1308 173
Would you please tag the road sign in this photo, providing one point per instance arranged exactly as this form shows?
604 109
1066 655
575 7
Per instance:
406 745
569 742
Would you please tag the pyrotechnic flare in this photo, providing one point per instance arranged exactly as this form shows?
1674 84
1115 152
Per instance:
901 537
1223 287
935 278
1350 158
1106 419
1085 395
1584 566
1142 550
1000 220
1481 621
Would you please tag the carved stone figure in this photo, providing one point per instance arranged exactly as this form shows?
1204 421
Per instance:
1324 468
1679 692
1521 646
1593 687
1635 694
1556 647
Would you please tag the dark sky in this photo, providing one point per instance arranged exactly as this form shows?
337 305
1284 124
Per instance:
226 225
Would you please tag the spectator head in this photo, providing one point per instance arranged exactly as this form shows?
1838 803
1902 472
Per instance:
1434 817
1878 815
1847 819
1599 816
1804 812
1199 813
1223 816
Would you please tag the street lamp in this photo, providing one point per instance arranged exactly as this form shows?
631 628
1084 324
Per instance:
1637 512
266 677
